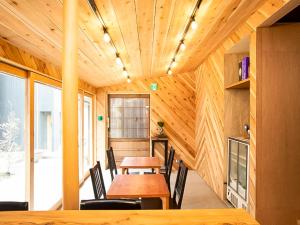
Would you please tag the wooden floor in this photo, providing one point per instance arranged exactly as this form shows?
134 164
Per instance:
198 195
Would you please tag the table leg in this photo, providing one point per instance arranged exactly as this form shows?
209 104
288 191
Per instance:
166 153
123 170
157 170
165 202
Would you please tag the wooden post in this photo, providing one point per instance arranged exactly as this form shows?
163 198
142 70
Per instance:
70 106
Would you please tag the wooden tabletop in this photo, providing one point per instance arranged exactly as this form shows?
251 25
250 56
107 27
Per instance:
130 217
134 186
140 162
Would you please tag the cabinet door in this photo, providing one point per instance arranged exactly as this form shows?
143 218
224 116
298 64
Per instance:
242 170
233 164
278 129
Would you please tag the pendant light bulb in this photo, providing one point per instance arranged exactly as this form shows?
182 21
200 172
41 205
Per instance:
118 60
173 63
125 73
194 24
106 37
182 46
128 80
169 72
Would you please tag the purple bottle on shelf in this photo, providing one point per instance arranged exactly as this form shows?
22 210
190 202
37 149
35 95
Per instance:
245 67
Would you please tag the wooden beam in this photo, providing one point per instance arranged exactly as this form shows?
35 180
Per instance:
70 105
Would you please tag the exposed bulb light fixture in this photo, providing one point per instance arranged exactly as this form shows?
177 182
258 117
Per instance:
106 36
125 73
118 60
194 24
173 63
128 80
182 46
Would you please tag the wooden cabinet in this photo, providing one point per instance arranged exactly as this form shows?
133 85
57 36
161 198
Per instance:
278 125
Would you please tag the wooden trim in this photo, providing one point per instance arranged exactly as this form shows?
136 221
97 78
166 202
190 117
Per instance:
30 142
292 4
128 95
6 68
45 80
19 66
130 139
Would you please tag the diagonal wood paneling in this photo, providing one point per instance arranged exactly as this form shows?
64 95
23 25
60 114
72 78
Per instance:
18 56
209 129
173 102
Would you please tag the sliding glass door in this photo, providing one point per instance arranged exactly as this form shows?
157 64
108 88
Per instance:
47 146
85 133
12 135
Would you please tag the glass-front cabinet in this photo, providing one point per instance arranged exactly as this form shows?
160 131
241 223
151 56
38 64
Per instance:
238 172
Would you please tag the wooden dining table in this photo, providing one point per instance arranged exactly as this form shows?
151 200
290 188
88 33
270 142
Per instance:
140 163
140 186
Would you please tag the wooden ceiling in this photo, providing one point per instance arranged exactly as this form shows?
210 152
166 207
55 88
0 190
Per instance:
146 33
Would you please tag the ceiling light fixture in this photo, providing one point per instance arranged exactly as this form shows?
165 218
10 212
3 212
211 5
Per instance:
194 24
119 60
182 46
107 38
125 73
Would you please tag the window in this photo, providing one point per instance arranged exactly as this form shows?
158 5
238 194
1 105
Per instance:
129 116
12 130
47 146
80 152
87 133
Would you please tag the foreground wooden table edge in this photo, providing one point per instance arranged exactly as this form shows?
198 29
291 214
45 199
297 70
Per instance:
130 217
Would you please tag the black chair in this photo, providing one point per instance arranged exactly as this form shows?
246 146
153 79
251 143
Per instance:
176 200
167 170
111 163
111 204
97 181
13 206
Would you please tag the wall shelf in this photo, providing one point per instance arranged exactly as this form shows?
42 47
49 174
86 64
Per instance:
243 84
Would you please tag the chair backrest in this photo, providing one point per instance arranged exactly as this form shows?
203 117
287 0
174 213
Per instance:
111 163
97 181
109 204
170 163
13 206
180 184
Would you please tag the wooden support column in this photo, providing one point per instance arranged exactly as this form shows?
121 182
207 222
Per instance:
70 106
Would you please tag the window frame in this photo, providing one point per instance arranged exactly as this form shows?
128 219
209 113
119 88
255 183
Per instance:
30 77
129 95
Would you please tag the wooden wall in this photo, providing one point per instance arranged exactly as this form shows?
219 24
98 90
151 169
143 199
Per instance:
209 128
173 102
32 63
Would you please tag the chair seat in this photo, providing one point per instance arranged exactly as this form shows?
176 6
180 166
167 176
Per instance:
156 203
13 206
110 204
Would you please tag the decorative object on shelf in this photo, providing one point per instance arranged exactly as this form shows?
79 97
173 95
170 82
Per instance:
247 130
161 133
245 67
240 71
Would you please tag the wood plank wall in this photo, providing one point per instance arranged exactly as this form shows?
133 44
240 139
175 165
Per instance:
173 102
209 129
19 56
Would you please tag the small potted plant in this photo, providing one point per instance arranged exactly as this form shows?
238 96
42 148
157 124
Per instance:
161 133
